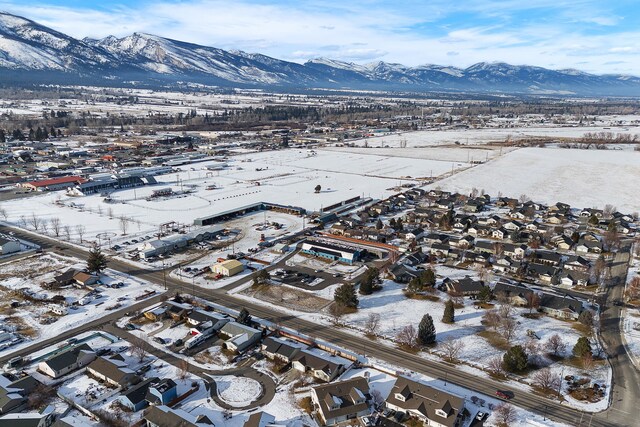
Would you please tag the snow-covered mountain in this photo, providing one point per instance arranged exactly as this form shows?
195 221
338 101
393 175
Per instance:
33 53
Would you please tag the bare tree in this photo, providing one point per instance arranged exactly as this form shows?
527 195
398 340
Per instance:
495 366
139 348
337 311
587 361
99 210
533 301
505 310
80 230
3 213
505 414
608 211
523 198
452 349
22 221
45 225
546 380
55 226
508 328
184 369
555 345
110 212
474 193
40 396
372 324
408 336
35 221
491 318
67 232
124 224
633 289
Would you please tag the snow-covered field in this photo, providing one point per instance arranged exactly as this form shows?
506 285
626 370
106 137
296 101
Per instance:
514 131
582 178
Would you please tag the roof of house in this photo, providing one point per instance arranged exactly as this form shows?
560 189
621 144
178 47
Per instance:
67 357
426 400
319 362
164 416
138 392
231 264
259 419
56 181
350 395
563 303
114 369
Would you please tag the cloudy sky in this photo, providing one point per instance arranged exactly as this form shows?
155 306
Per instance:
597 36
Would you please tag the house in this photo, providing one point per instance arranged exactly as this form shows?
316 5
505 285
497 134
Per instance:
261 419
342 400
440 249
156 314
198 317
512 226
44 418
112 371
228 268
239 337
416 258
506 265
85 279
433 238
278 349
54 184
574 278
562 307
517 294
67 361
466 286
8 246
164 416
485 246
500 233
66 277
162 392
415 233
514 251
135 398
178 311
432 406
14 392
320 364
545 273
562 242
403 273
577 263
585 246
547 258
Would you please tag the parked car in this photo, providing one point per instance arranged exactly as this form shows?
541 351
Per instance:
480 416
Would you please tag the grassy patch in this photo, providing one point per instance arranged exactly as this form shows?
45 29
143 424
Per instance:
408 348
423 297
306 404
583 329
494 339
533 315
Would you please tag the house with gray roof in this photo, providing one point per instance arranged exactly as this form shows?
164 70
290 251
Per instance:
341 401
14 392
239 337
432 406
163 416
67 361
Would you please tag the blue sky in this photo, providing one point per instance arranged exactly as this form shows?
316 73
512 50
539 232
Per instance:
600 36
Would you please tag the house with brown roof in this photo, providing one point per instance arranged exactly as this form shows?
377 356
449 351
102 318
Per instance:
113 371
432 406
341 401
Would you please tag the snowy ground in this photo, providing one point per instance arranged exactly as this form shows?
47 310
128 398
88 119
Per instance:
237 391
631 321
581 178
32 271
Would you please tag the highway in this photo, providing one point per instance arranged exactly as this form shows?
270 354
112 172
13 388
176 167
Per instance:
625 392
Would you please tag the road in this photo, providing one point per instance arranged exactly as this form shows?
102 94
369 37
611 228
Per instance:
618 415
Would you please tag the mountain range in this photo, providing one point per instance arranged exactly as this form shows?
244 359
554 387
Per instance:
31 53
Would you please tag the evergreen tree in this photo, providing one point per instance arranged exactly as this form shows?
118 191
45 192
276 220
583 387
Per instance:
415 285
582 347
3 136
244 317
369 281
515 359
96 262
32 135
428 278
426 330
449 312
399 225
379 224
593 220
392 223
346 296
485 294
